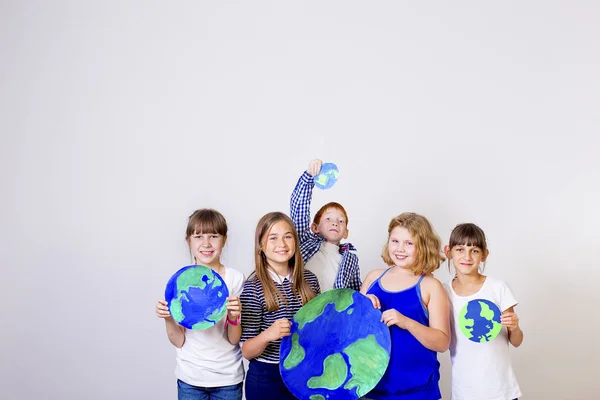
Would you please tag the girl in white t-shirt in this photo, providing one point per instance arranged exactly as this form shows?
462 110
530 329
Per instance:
483 322
209 361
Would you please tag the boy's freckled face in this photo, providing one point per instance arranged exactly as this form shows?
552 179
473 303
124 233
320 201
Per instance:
332 226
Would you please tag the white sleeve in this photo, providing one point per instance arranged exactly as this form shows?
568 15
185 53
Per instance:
238 284
507 298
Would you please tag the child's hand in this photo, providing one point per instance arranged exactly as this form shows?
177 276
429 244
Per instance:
234 308
510 320
314 167
162 311
279 329
392 317
374 300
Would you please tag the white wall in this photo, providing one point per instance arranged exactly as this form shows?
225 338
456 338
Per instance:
118 119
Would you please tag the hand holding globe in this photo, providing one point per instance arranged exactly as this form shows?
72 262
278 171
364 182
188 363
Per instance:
326 175
196 297
234 308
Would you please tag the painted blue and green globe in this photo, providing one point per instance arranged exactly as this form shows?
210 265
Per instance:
196 296
479 320
338 347
328 176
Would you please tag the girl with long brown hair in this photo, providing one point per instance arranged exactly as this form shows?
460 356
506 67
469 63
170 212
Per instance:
271 296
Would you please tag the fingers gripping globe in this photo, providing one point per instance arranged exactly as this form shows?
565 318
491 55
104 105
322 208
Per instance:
328 176
338 347
196 296
479 320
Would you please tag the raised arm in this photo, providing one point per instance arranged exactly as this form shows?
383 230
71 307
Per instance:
302 196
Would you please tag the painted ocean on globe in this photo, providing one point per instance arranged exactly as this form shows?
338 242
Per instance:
327 176
196 296
338 347
479 320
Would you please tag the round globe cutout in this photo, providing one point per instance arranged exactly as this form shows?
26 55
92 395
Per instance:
196 296
327 176
479 320
338 347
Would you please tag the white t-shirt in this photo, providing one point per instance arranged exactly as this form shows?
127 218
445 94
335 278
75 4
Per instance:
482 371
325 264
207 359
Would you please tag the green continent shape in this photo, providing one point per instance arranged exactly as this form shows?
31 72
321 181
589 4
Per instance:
368 362
464 322
341 298
335 371
216 282
218 313
296 355
175 310
334 173
316 397
488 313
202 325
322 179
193 278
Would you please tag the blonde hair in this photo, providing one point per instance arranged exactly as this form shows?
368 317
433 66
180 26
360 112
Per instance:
428 245
300 287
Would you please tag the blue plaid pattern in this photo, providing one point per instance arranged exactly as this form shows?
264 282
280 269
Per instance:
349 273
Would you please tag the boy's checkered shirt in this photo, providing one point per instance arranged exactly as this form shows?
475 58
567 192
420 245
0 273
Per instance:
349 272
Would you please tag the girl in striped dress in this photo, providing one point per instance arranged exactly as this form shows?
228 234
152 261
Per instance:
271 296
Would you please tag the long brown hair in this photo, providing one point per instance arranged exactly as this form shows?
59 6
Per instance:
427 243
300 287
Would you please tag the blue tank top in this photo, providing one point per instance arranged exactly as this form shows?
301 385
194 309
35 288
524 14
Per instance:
414 371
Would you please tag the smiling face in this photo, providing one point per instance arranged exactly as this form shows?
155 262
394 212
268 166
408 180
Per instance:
206 248
279 245
332 225
401 247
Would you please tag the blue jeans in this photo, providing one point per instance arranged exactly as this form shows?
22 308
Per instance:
189 392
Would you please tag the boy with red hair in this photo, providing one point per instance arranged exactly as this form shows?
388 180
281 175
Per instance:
323 254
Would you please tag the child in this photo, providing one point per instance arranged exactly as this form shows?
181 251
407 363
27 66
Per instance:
480 371
415 307
209 362
333 263
273 293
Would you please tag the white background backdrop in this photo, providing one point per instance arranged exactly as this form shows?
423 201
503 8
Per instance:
118 119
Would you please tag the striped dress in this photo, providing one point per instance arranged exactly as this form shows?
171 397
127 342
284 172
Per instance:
256 319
